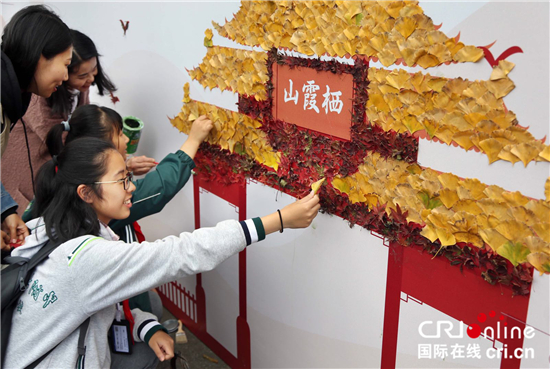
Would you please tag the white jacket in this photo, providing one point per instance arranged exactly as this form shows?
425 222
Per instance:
86 277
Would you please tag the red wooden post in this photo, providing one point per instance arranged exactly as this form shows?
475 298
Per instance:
393 301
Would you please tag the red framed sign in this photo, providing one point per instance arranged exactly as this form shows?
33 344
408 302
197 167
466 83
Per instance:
318 100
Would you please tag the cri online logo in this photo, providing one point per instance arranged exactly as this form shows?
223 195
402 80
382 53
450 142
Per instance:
431 329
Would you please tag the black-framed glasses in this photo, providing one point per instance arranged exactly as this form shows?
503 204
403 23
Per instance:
126 181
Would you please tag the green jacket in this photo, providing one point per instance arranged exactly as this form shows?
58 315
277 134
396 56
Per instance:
171 174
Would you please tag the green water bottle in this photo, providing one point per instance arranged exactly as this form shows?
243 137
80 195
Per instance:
131 127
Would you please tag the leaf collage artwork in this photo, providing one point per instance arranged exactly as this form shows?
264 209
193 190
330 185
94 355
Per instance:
374 180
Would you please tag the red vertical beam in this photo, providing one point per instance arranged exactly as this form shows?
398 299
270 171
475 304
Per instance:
243 330
391 309
199 290
509 359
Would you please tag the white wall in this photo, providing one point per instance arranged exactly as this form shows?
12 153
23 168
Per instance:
315 297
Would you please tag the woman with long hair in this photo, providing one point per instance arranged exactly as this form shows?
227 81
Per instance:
36 51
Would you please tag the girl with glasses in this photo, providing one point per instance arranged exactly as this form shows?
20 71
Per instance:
157 188
91 271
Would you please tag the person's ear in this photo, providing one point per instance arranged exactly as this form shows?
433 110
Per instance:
85 193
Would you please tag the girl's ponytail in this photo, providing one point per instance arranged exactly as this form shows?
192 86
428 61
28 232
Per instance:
86 121
54 139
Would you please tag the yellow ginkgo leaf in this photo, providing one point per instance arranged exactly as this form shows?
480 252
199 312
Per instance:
399 79
543 230
463 139
526 152
523 215
419 83
436 83
540 261
502 69
516 253
514 230
471 238
445 237
540 209
445 135
341 185
317 185
386 57
468 54
506 154
547 189
378 101
464 222
430 127
506 65
491 147
371 200
501 87
186 97
405 26
536 244
497 73
492 238
440 219
427 61
193 112
412 123
469 206
515 199
357 196
271 160
545 154
429 232
475 187
494 192
492 207
448 197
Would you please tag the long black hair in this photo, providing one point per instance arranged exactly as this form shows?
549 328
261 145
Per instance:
83 50
65 214
87 121
33 31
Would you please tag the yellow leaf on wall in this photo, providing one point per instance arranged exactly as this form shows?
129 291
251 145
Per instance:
429 232
515 252
545 154
491 147
340 185
526 152
493 238
514 230
445 237
540 261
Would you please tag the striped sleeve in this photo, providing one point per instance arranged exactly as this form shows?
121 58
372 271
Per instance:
147 328
253 230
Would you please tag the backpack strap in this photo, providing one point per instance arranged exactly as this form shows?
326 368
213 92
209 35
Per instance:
81 347
81 341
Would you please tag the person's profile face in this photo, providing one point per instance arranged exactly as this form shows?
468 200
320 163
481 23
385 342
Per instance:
83 76
50 73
